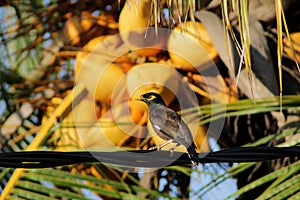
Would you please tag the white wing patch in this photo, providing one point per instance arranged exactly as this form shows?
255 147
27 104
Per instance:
156 127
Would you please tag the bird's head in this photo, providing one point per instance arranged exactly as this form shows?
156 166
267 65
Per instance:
152 98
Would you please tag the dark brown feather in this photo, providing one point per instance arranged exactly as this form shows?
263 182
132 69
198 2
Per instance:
164 122
168 125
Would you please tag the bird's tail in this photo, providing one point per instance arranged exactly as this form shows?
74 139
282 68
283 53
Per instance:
193 154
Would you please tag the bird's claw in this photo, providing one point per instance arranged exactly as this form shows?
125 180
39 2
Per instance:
171 151
156 148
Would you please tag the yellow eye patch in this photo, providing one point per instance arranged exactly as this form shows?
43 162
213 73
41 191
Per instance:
151 97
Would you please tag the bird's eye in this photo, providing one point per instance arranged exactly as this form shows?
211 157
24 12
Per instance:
151 97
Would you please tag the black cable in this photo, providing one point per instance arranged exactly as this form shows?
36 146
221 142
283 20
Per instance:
142 158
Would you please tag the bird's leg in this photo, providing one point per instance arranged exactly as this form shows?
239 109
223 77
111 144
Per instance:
165 144
157 148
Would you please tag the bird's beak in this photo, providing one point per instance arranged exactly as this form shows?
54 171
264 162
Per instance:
139 99
136 99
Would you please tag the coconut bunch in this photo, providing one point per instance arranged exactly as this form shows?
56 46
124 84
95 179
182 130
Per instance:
117 69
292 50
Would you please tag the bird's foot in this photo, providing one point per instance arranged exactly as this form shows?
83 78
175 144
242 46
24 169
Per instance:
173 149
156 148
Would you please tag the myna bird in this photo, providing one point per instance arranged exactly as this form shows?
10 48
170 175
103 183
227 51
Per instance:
168 125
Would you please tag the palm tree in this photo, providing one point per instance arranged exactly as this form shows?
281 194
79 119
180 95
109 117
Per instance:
45 44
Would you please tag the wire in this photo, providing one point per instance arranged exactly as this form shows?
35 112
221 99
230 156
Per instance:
142 158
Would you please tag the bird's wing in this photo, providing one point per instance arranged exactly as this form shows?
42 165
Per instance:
184 135
165 122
